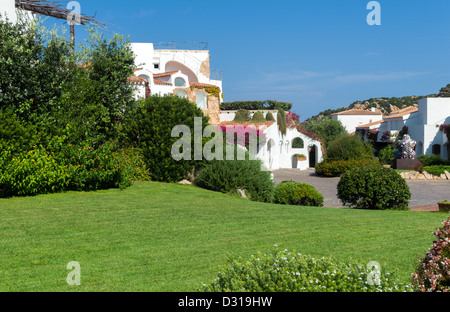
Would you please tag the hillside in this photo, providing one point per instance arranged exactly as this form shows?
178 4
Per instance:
384 104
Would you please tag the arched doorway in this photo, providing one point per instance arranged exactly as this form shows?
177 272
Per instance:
312 155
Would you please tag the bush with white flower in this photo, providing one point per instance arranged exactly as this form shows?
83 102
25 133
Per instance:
289 271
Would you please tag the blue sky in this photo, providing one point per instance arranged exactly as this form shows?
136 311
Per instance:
317 54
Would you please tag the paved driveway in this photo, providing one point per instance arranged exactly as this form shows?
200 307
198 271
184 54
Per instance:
423 193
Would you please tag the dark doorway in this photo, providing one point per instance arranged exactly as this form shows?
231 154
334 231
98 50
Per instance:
436 149
312 156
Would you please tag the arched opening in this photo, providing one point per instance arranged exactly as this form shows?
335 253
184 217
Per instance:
201 99
147 78
298 143
270 147
176 66
436 149
180 82
181 93
312 156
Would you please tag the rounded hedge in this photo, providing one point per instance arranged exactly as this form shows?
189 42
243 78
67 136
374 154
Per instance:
373 187
269 117
258 117
284 271
295 193
229 176
242 116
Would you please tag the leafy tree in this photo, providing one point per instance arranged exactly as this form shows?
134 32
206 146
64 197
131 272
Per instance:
328 128
155 117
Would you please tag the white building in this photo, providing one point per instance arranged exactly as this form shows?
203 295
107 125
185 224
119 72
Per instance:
423 124
8 11
279 151
353 118
182 69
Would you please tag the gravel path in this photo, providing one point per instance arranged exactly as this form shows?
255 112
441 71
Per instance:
425 194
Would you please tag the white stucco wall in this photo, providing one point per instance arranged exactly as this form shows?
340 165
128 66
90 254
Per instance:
8 10
350 122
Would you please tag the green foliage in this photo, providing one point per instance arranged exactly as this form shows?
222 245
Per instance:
258 117
281 121
348 147
242 116
386 155
437 170
432 273
295 193
256 105
298 143
17 134
269 117
228 176
432 160
151 131
290 271
335 168
328 128
373 187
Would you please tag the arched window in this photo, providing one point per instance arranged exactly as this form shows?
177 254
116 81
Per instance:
179 82
298 143
436 149
181 93
201 99
145 77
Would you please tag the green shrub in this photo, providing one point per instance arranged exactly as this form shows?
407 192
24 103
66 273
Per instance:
289 271
348 147
432 273
433 160
269 117
151 131
386 155
295 193
228 176
242 116
258 117
437 170
336 168
373 187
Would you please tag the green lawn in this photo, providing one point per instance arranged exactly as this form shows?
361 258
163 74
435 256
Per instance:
165 237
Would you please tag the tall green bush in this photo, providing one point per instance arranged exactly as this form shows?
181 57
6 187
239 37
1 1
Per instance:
269 117
242 116
258 117
281 121
151 130
348 147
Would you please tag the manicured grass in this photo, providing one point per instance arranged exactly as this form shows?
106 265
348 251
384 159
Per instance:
165 237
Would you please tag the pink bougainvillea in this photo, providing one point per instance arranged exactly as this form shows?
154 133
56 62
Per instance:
433 272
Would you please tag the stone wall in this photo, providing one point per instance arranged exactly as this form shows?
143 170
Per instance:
213 111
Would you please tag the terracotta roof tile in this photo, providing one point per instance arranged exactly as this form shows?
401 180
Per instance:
136 79
202 85
259 125
356 112
379 122
159 82
402 112
164 74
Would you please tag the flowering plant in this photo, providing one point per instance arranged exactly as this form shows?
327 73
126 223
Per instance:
432 273
241 135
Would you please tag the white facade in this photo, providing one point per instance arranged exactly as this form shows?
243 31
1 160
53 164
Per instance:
162 67
423 125
8 10
353 118
277 152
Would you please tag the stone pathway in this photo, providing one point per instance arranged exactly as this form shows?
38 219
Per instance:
424 193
